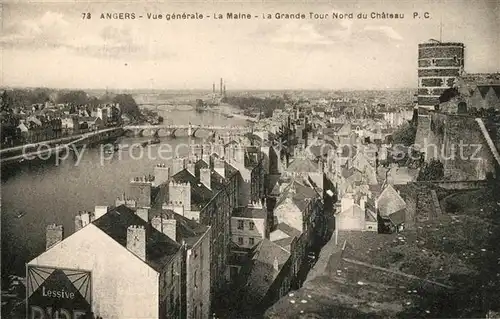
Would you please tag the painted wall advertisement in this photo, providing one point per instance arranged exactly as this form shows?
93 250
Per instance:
58 293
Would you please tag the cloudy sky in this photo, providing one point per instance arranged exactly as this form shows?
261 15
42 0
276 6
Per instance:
49 44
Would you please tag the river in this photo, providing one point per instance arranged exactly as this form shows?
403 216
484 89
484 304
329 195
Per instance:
47 193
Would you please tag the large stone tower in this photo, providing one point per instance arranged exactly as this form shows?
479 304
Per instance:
439 66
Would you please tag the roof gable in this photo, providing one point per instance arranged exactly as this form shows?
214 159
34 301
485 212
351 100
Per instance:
263 273
390 201
159 247
302 164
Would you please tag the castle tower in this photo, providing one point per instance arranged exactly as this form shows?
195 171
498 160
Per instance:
439 66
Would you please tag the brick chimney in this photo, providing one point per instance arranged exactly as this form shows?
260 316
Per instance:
53 235
205 174
136 241
219 166
100 211
239 154
140 191
178 164
143 213
83 219
166 225
161 173
180 192
190 167
276 264
177 207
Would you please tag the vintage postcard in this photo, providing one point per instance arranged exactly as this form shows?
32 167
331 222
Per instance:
250 159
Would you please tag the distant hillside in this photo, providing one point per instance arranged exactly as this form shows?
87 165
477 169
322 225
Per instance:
78 98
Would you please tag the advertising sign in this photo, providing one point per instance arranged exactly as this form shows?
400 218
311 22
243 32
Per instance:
58 293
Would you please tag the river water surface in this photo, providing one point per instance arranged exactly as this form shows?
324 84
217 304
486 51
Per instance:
47 193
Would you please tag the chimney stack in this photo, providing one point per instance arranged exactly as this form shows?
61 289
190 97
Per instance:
161 173
221 86
142 213
180 192
83 219
219 166
276 264
166 225
54 234
190 167
136 241
205 177
177 207
178 164
100 211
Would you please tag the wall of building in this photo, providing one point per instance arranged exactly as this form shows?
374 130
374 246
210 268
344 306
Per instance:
170 287
122 287
198 279
258 232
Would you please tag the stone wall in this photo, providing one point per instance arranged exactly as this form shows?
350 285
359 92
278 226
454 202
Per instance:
458 142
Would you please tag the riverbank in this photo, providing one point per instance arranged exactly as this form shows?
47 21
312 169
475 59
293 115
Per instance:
230 110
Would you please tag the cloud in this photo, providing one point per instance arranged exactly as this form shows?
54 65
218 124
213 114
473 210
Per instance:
387 31
325 33
52 30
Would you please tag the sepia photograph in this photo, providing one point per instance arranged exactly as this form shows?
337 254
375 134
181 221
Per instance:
250 159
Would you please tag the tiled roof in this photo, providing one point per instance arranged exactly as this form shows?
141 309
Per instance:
300 165
159 247
344 130
262 274
250 212
284 242
398 217
273 183
289 230
369 216
390 201
321 150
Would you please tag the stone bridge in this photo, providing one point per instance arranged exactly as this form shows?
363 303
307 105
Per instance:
189 129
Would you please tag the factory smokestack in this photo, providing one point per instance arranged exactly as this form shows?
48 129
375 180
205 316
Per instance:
224 90
221 86
213 88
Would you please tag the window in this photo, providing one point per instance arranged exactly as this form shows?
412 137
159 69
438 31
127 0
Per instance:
195 311
251 241
252 225
240 240
196 278
240 225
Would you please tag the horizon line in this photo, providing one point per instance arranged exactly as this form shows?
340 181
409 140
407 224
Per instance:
205 89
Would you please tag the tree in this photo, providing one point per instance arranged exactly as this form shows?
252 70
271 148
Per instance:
128 105
431 171
405 135
6 105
